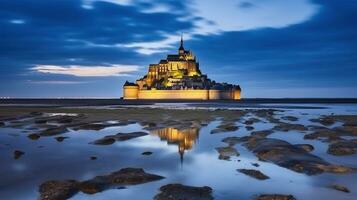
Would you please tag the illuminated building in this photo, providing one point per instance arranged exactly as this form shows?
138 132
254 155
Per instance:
179 77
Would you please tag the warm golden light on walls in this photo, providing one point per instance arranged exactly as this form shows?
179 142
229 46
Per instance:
179 77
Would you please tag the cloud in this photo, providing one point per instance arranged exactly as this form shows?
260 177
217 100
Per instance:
246 4
212 17
17 21
87 71
225 16
57 82
163 45
88 4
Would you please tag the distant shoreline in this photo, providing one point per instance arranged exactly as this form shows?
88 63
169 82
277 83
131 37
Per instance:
104 102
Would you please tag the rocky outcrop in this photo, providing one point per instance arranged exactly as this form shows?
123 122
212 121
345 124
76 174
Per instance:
324 120
262 133
275 197
343 147
225 153
53 131
290 118
146 153
59 190
183 192
340 188
305 147
60 138
324 134
225 127
254 173
34 136
92 126
286 155
282 126
110 139
18 154
251 121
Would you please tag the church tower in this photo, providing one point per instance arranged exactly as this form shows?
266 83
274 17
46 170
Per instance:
181 49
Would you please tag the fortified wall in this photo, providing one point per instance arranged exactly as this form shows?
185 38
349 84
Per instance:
133 92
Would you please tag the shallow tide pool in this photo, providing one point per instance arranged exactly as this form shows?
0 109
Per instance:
185 156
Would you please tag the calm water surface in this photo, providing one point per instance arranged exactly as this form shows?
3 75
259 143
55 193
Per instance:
182 156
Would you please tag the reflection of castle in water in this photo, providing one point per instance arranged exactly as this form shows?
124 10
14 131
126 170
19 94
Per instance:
183 138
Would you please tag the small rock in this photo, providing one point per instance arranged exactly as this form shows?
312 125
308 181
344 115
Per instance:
248 122
290 118
231 141
340 188
36 113
228 127
249 128
323 134
34 136
149 124
225 153
305 147
254 173
65 119
183 192
18 154
146 153
58 190
325 120
40 121
251 121
110 139
282 126
262 134
99 126
53 131
255 164
275 197
61 138
93 158
104 141
341 148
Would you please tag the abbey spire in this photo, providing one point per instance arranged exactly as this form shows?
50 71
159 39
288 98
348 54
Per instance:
181 49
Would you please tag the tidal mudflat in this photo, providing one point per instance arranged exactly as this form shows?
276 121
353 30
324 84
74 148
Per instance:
179 151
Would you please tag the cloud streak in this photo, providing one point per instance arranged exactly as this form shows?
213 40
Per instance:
212 17
57 82
87 71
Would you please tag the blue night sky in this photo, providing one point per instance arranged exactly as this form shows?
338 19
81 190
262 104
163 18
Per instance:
89 48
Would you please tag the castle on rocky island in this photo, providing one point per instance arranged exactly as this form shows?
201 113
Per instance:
179 77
